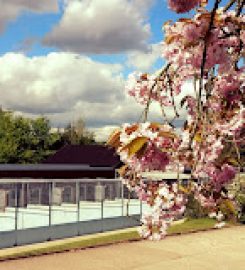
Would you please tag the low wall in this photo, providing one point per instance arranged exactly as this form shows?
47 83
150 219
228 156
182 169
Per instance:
42 234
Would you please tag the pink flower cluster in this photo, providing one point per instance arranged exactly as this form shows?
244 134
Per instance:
229 87
234 126
182 6
140 86
153 159
207 201
221 177
183 46
215 113
160 142
213 201
206 153
168 203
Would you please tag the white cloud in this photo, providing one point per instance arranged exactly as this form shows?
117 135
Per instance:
11 9
56 82
96 26
66 86
102 134
143 5
63 86
144 61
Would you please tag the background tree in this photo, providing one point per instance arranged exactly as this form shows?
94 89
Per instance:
24 140
76 133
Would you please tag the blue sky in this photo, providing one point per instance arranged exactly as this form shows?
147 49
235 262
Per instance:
67 59
30 25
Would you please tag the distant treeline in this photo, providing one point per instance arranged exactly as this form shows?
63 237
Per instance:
26 140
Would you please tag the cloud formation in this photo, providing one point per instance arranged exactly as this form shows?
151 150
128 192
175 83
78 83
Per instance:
56 82
65 86
101 27
144 61
11 9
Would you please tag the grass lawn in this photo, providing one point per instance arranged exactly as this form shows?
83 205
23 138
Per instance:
101 239
192 225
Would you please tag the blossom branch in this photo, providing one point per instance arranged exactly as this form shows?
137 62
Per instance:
146 110
205 47
240 6
204 55
172 96
229 5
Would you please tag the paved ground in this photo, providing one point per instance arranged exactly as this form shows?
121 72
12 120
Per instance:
219 249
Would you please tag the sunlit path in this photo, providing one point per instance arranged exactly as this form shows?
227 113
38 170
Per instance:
219 249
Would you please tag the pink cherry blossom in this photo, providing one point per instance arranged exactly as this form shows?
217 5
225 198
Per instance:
181 6
228 86
169 203
153 159
223 176
210 57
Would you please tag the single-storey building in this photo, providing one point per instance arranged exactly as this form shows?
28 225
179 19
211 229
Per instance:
92 165
88 162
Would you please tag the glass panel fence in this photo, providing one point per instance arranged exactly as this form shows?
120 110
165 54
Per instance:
64 206
31 203
7 207
34 205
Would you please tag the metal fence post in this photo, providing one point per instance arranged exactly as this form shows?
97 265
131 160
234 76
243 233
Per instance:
78 204
16 207
102 209
141 209
16 204
50 191
122 194
78 200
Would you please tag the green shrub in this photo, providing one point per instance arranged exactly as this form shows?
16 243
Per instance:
228 209
194 208
241 202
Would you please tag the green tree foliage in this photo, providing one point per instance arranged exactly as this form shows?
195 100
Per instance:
24 140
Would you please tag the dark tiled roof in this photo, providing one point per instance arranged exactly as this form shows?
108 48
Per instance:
92 155
54 171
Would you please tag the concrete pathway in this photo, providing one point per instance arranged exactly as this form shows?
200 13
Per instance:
217 249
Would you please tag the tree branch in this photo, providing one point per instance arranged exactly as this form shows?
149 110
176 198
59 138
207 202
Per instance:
229 5
172 96
146 110
239 8
204 55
